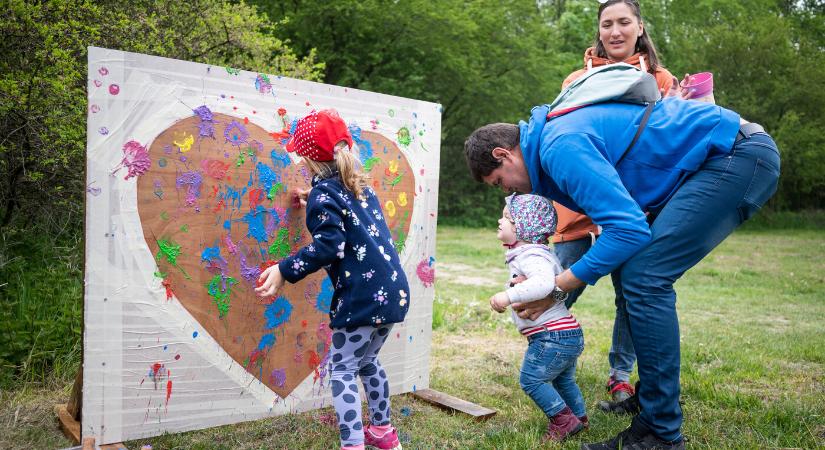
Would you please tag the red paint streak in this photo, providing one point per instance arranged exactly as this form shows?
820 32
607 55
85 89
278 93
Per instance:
168 285
156 368
313 362
168 388
214 191
246 120
215 169
281 112
254 357
142 380
177 357
256 196
219 206
303 324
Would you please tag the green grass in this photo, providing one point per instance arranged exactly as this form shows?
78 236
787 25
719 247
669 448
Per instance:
753 364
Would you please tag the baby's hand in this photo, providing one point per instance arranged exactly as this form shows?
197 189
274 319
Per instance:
270 282
499 302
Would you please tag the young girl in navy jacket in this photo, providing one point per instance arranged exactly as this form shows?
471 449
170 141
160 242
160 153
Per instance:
351 240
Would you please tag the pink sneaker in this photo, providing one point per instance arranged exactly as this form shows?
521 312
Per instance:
387 441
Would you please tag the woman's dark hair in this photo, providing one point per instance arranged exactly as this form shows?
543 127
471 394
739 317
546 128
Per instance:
643 43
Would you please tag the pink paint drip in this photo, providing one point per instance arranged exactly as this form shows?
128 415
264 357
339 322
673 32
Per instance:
135 159
426 272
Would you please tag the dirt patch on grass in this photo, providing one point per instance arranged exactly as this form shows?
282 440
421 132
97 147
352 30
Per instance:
459 273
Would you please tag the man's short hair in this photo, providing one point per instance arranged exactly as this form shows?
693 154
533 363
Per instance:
478 148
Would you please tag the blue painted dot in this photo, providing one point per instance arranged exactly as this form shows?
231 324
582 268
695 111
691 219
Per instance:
410 338
164 348
194 334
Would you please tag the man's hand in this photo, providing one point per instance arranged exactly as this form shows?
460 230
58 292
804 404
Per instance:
270 282
499 302
533 310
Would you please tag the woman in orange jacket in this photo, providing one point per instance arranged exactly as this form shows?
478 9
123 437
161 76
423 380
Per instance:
621 37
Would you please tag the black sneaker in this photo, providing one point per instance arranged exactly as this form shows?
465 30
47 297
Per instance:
635 437
629 405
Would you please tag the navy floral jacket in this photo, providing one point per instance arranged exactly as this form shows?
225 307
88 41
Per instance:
351 240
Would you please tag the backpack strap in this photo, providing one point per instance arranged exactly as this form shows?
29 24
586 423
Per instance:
642 125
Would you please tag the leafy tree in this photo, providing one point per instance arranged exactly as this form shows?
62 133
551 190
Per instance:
483 61
43 83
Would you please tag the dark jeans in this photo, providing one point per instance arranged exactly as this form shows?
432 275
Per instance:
710 204
570 253
548 373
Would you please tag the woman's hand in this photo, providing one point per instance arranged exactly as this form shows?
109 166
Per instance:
499 302
270 282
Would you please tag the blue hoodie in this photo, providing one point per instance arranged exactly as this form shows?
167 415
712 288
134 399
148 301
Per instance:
572 160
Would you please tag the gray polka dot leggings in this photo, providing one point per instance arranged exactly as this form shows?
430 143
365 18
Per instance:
354 353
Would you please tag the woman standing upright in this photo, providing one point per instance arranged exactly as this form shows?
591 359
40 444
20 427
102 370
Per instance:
621 37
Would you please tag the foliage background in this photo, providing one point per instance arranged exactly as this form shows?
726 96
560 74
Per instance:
484 61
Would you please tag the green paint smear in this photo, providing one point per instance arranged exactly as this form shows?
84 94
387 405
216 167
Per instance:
240 160
164 215
370 163
274 190
219 297
404 137
396 180
232 71
184 228
160 274
280 248
170 251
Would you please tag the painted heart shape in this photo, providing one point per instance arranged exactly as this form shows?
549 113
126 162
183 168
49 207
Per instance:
215 200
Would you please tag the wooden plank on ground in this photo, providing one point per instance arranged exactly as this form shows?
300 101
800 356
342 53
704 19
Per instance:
69 426
451 403
76 399
118 446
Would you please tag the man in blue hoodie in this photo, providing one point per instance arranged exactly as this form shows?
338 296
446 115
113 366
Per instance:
694 174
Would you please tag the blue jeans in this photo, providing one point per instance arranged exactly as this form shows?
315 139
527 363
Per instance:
569 253
548 374
621 356
705 209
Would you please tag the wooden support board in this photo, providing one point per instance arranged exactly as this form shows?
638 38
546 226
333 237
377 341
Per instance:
449 402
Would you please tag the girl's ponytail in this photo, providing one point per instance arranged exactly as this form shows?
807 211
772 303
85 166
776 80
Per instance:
347 166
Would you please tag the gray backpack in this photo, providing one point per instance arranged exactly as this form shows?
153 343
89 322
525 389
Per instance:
618 82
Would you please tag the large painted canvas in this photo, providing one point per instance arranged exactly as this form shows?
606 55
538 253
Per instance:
190 195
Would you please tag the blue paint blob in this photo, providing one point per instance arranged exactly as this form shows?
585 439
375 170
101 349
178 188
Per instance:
279 158
324 299
277 313
164 347
194 334
255 221
211 254
364 146
267 341
266 176
227 225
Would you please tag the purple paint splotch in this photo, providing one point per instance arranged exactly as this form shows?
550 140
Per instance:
235 133
249 273
206 127
135 159
278 377
193 182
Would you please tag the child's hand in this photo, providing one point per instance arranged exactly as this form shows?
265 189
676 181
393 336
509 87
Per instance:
301 197
270 282
499 302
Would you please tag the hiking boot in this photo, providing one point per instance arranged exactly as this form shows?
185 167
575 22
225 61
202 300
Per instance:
629 405
386 441
585 421
619 390
562 426
635 437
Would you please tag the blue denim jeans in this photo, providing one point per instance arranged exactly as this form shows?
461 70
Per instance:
548 374
705 209
570 253
621 356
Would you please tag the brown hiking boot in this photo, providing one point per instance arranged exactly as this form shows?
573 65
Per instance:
562 426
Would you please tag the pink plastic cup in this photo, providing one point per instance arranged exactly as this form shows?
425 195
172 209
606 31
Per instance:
700 84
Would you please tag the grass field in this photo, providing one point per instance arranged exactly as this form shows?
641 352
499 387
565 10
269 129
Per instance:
753 359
